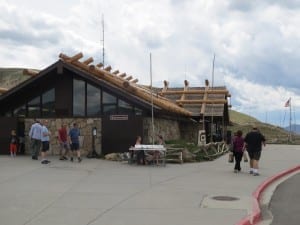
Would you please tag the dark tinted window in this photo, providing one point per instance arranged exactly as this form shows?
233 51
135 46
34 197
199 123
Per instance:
48 103
34 107
93 101
20 111
124 107
78 98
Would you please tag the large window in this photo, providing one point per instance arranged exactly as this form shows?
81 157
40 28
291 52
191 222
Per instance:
20 111
93 107
124 107
48 103
109 103
78 98
34 107
138 111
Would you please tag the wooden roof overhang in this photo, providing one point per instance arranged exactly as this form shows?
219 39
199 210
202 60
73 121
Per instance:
124 82
209 102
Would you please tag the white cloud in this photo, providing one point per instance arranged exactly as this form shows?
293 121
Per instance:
255 42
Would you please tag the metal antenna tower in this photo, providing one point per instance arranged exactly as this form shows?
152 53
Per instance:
102 39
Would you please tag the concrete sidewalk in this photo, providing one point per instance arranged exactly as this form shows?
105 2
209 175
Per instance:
100 192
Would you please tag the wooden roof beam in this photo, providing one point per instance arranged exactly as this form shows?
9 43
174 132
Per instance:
115 72
30 72
202 101
122 75
3 90
186 86
73 58
128 78
194 92
99 65
161 102
88 61
135 80
108 68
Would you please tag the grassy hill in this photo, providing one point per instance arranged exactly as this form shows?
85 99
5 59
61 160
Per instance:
10 77
273 134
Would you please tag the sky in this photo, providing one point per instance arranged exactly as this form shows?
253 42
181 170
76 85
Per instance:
255 44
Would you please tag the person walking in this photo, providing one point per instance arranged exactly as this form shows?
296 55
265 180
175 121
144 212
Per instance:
35 135
238 150
63 142
45 141
254 141
74 134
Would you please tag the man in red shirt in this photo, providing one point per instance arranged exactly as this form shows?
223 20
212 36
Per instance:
63 142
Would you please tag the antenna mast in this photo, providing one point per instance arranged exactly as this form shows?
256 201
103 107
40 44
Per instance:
102 22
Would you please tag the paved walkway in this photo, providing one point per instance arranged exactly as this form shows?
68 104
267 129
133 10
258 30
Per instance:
99 192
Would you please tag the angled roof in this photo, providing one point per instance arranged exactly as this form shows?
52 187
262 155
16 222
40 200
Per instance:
187 101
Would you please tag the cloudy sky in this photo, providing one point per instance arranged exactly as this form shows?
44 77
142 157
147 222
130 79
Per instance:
256 44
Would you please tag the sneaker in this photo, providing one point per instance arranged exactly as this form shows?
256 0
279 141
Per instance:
255 174
251 172
71 159
62 158
79 160
44 161
65 158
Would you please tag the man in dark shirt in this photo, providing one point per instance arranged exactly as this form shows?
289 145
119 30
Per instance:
74 134
254 141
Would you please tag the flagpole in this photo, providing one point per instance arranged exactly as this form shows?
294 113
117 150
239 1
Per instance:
290 135
152 113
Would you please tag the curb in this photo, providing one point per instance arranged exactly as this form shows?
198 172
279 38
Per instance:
255 217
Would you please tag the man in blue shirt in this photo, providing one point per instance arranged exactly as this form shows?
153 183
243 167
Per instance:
74 134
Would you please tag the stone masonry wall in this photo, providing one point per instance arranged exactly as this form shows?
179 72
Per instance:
84 124
170 130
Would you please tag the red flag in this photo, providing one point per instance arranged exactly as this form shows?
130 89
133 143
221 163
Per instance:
288 103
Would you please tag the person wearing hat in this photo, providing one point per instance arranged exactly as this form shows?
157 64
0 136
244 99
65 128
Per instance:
254 141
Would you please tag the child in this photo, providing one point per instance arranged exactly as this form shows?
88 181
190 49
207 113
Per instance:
13 144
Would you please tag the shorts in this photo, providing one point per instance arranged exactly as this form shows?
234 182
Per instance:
45 146
64 145
75 146
13 148
254 155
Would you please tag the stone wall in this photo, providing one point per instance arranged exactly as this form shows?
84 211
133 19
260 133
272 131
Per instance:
170 130
84 124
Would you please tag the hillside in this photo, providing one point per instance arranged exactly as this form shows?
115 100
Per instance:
10 77
273 134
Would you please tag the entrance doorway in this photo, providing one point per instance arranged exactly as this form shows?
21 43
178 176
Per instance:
119 132
7 124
